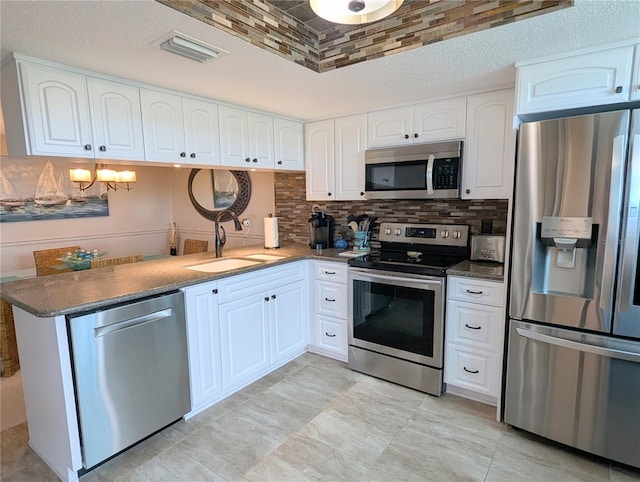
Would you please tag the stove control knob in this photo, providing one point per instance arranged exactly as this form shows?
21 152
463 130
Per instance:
456 234
387 231
398 232
444 233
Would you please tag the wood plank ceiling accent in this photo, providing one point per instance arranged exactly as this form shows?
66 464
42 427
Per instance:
291 30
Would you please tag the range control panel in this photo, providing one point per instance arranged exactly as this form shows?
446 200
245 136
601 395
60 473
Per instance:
436 234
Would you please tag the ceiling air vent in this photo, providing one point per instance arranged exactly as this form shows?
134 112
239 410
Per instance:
190 48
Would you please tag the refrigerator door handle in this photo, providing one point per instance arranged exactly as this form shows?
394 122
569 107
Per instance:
613 222
584 347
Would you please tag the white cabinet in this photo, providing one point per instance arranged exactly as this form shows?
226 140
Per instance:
246 138
203 338
330 309
69 114
179 130
288 144
635 81
335 158
474 338
426 122
288 321
489 149
582 80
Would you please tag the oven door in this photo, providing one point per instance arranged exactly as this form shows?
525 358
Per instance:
397 314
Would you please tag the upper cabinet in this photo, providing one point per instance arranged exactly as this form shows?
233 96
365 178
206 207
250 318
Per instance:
572 81
426 122
319 160
246 138
53 112
202 133
489 149
288 144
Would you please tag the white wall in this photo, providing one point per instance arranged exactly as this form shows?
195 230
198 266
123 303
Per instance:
139 220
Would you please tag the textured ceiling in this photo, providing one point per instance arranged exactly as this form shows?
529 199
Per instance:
121 39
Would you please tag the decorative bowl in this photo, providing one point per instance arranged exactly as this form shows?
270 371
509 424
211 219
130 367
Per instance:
78 263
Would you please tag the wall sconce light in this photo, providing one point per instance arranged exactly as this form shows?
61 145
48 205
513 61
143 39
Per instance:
83 179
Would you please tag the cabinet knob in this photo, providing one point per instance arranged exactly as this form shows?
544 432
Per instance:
246 159
415 134
266 298
255 160
87 147
406 136
215 292
183 154
468 191
192 155
618 89
102 148
361 193
329 194
279 162
273 297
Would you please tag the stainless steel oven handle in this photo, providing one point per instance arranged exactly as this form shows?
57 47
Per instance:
430 174
375 277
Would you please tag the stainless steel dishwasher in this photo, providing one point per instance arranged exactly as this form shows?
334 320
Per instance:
130 371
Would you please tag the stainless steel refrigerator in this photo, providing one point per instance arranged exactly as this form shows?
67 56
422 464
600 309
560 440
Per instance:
573 361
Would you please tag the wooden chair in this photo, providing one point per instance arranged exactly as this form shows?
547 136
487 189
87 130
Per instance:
195 246
102 262
46 258
9 362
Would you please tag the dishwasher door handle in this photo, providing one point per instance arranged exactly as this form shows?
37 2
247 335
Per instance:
132 322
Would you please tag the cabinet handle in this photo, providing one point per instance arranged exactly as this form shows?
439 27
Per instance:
279 162
273 297
618 89
102 148
87 147
329 194
361 193
255 160
470 371
473 327
193 155
266 298
183 154
406 136
468 191
246 159
215 292
329 299
415 135
474 292
330 336
329 272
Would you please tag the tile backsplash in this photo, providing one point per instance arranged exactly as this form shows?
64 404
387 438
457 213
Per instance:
293 211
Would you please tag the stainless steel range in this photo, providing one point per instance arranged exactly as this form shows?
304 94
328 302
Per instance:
397 300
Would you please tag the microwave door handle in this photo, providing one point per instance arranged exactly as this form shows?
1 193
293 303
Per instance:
429 175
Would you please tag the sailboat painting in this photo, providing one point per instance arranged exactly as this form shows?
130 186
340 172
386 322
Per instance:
33 190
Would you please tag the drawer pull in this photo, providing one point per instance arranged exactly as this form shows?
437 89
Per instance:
330 336
329 272
474 292
470 371
473 327
330 299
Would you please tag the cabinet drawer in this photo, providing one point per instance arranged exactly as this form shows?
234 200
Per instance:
241 286
472 370
331 299
475 291
475 326
331 334
327 271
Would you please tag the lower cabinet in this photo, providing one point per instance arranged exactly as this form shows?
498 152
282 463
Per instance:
242 327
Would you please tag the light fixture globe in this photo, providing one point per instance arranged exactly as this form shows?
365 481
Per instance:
354 12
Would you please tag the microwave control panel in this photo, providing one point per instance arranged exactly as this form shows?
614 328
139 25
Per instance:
445 173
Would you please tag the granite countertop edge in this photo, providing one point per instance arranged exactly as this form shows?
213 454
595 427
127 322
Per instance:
78 292
478 269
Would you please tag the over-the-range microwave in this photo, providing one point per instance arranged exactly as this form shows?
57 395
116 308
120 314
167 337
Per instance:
427 171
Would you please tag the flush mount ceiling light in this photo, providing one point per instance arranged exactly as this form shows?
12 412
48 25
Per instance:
354 12
190 48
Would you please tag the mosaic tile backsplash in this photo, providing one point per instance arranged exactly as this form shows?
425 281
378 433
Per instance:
293 211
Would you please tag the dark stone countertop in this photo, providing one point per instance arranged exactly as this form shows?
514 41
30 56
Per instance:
478 269
91 289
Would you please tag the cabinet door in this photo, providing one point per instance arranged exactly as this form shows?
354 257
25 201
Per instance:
579 81
57 110
489 151
635 82
350 144
202 132
116 119
234 137
203 335
244 335
261 148
440 120
163 126
390 127
319 160
288 321
288 144
330 336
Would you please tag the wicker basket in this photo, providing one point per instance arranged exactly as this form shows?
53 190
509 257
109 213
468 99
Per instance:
9 363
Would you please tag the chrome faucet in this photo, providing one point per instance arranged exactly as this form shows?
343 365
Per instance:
221 234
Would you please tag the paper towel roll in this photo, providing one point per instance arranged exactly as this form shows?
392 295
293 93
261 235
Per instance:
271 233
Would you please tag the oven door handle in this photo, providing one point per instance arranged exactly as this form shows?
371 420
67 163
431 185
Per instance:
429 177
376 277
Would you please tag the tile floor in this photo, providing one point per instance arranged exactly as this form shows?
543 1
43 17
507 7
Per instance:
314 419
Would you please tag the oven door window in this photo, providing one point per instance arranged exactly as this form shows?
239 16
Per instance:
393 316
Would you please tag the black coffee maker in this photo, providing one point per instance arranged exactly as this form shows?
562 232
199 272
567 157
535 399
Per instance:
320 230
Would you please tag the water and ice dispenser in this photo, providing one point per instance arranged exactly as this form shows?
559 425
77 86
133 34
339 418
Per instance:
566 249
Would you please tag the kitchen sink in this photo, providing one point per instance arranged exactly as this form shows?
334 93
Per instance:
224 264
265 257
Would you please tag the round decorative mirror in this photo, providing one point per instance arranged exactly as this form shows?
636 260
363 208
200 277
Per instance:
215 190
